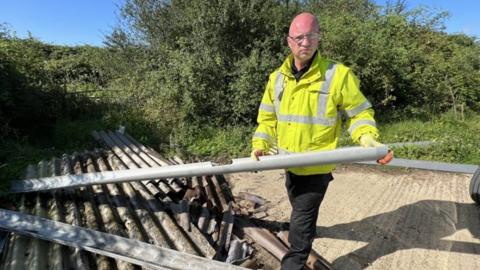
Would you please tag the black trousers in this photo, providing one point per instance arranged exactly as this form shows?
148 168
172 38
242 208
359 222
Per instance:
305 193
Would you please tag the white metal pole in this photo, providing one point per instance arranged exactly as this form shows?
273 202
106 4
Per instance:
342 155
129 250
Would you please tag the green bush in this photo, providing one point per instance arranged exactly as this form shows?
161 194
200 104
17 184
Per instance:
211 143
208 61
407 65
34 80
211 62
454 139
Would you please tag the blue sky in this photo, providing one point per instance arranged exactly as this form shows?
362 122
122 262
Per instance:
64 22
78 22
464 14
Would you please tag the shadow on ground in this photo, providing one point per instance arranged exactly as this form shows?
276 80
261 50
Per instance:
425 224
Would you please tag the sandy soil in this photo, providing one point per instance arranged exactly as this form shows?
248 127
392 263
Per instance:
382 218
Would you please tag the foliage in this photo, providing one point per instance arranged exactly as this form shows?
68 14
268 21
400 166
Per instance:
70 135
16 155
34 80
211 143
207 60
406 64
454 139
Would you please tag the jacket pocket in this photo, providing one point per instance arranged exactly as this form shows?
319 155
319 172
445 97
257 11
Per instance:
322 137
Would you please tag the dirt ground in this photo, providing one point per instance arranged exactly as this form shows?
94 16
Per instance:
383 218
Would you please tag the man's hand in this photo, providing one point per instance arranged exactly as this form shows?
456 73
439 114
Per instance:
367 140
256 153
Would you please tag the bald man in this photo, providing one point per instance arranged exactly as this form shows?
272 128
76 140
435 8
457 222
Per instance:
300 112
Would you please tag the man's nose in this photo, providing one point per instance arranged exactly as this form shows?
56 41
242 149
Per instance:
306 42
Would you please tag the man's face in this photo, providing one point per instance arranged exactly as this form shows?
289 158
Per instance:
303 40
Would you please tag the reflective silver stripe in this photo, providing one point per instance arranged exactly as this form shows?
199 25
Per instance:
360 123
278 91
360 108
268 108
262 135
320 119
306 119
324 90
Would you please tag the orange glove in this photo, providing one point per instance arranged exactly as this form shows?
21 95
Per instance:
256 153
367 140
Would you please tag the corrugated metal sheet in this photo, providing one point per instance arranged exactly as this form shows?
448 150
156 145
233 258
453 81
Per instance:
194 215
191 215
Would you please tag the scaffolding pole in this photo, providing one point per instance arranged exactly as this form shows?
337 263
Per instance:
129 250
342 155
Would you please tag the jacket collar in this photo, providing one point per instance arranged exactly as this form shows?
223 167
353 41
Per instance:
313 74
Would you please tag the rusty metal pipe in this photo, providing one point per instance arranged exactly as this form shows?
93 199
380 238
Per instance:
263 237
314 261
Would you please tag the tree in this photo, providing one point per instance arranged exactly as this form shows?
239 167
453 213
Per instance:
202 55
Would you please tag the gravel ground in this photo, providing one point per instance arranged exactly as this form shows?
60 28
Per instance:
381 218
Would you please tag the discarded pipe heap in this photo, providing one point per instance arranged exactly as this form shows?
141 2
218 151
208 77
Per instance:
179 217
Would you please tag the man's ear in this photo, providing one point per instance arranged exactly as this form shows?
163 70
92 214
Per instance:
289 42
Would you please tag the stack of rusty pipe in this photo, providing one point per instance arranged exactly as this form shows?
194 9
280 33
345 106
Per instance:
192 215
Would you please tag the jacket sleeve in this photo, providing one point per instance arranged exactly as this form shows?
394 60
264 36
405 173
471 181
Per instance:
265 135
359 112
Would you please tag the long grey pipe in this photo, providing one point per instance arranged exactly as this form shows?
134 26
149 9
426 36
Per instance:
343 155
429 165
143 254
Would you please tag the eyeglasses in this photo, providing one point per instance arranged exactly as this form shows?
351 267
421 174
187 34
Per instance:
310 36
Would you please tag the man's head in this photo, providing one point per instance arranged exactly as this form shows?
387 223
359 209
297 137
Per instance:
303 37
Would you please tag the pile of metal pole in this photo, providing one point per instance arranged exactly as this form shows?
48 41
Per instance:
192 215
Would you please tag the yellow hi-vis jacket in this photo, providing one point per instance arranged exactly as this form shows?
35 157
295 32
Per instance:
305 116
